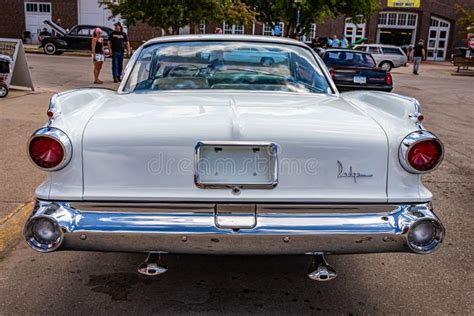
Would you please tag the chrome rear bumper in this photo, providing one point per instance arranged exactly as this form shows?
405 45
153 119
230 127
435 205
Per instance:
206 229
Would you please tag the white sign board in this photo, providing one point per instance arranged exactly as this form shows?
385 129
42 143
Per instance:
20 73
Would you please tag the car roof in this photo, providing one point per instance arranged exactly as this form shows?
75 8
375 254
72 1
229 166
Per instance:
225 37
92 25
346 50
379 45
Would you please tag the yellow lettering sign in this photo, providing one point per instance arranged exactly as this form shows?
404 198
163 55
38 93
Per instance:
403 3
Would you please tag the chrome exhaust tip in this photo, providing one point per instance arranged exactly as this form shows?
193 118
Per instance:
152 266
43 233
320 270
425 235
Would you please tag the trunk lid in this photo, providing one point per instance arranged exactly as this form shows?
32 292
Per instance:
372 75
142 146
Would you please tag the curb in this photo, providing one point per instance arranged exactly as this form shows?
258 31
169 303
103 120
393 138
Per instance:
40 52
11 227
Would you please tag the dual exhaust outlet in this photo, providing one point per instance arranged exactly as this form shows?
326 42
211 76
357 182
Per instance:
319 269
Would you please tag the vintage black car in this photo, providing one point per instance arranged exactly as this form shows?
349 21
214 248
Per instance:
356 70
79 38
5 67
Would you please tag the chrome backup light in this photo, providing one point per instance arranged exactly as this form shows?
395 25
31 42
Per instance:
421 152
43 234
49 149
425 236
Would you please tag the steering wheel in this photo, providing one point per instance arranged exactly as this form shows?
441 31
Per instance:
184 68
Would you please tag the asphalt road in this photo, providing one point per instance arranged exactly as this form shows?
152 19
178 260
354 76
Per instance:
105 283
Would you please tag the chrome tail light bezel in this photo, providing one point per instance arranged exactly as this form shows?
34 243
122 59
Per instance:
59 136
411 140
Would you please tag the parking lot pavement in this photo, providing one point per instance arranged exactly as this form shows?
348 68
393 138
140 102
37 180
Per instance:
80 283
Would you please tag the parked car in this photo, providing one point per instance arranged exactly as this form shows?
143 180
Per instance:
460 52
235 158
386 56
79 38
319 50
356 70
5 69
245 54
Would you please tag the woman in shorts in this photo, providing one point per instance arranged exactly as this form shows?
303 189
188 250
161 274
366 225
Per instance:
97 54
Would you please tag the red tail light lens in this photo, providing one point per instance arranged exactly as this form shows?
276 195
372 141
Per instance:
50 149
421 152
425 155
388 78
46 152
331 72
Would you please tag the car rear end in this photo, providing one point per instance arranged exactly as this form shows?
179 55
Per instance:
355 70
309 172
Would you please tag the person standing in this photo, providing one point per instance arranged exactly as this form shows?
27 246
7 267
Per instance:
344 42
335 43
117 43
418 55
97 54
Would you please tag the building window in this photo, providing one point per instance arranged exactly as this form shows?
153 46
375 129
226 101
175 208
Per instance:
354 31
269 30
310 34
233 29
397 28
397 19
38 7
202 27
411 19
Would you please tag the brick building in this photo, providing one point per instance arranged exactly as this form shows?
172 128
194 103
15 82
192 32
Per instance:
18 16
399 22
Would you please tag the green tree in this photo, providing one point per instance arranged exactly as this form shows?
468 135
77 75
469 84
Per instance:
465 20
170 15
311 11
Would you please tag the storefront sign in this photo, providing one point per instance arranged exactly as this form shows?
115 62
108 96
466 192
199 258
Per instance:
403 3
20 73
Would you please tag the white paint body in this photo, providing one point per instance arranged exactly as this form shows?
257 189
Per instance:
140 147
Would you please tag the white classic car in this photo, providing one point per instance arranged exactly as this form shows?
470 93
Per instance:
233 157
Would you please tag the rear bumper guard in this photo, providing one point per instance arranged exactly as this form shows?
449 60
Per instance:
249 228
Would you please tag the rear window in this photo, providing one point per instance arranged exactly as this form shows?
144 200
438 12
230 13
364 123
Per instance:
392 50
349 59
226 65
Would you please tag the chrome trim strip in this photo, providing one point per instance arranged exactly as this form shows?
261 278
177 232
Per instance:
411 140
274 233
142 207
150 207
60 137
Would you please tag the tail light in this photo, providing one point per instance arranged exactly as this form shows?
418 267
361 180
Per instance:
331 72
49 149
388 78
421 152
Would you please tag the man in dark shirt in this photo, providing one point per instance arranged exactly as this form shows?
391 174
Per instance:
44 33
117 43
418 55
